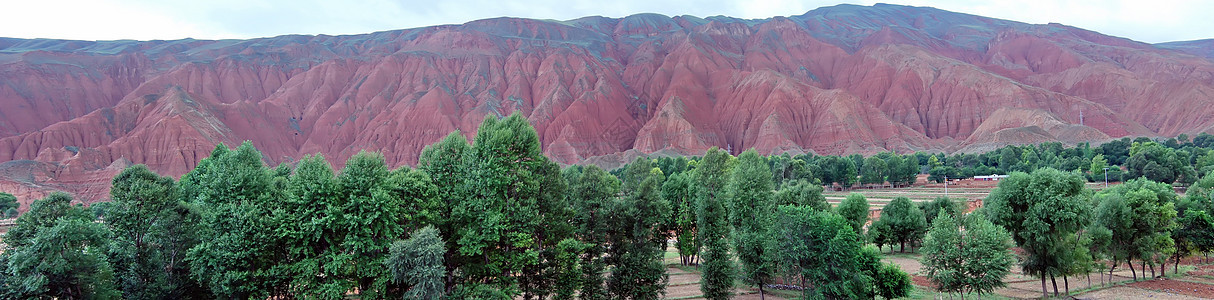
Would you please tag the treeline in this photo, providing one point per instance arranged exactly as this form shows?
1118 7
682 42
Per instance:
494 219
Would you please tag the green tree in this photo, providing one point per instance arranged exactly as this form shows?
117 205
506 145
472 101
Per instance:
903 221
874 171
569 275
970 256
57 251
1146 233
942 204
8 202
237 244
1040 210
504 191
712 174
820 247
444 161
152 230
855 210
1197 230
751 207
592 195
636 242
417 263
801 193
1096 168
838 170
678 191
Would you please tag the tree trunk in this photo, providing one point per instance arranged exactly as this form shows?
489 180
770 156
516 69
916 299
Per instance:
1066 283
902 246
1054 281
1176 266
1045 293
1132 271
1152 265
761 296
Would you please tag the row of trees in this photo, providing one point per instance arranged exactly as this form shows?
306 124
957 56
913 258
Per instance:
1066 230
493 219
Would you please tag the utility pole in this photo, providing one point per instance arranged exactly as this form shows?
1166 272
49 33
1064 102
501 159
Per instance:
1106 177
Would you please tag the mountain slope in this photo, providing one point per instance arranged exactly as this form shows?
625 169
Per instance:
842 79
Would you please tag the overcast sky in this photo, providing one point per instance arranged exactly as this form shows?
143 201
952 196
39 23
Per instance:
1149 21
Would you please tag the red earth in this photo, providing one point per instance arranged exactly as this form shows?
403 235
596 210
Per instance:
836 80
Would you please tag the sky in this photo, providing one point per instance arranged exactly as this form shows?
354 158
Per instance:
1149 21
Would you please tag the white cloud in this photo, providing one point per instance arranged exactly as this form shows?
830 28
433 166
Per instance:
1150 21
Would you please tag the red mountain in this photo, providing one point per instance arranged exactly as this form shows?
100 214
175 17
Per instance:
842 79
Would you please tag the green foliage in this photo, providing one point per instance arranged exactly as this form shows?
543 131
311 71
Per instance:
7 202
970 256
680 193
901 221
751 207
1141 216
11 213
939 174
1197 230
821 248
838 170
153 230
892 283
712 220
418 264
504 187
801 193
855 210
568 272
57 251
1153 161
636 244
592 195
236 244
1040 210
942 204
874 172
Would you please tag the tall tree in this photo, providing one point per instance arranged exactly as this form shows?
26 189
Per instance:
968 256
750 210
712 174
1040 210
152 230
417 263
503 187
237 245
444 162
855 210
592 195
372 217
679 192
636 242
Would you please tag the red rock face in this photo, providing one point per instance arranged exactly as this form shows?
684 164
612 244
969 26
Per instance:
844 79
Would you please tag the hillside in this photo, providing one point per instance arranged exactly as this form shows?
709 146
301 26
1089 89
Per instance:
842 79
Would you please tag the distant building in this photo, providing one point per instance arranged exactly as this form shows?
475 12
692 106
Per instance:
990 177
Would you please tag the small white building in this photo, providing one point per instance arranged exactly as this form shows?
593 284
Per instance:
990 177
